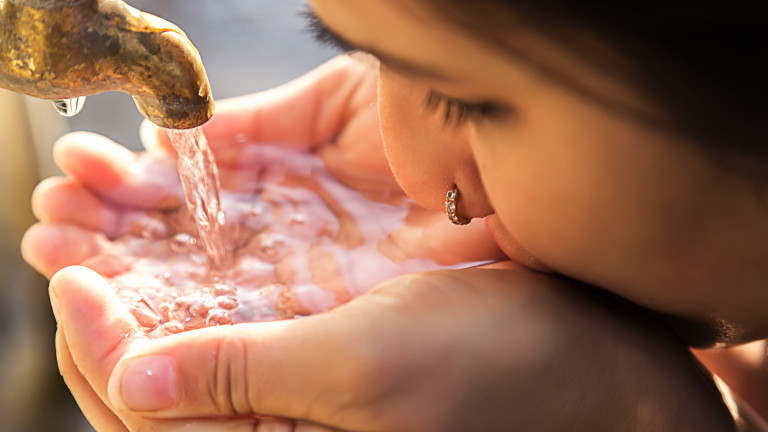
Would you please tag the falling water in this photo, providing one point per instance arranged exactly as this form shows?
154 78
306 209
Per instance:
200 181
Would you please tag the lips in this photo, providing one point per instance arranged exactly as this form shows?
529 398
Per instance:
512 248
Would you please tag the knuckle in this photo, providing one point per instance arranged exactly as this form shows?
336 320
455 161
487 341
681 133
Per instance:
228 386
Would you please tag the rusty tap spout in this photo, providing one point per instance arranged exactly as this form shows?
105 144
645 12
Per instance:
59 49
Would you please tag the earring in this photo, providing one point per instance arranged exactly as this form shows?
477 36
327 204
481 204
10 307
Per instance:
451 207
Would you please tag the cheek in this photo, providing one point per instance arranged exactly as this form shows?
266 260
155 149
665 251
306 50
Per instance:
422 154
589 205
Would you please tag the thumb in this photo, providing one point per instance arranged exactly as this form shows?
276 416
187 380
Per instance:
276 368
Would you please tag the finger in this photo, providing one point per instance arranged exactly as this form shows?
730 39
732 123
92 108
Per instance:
117 174
59 199
51 247
202 425
275 425
97 328
245 369
302 426
94 409
306 112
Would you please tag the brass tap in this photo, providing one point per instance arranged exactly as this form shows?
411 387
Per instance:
60 49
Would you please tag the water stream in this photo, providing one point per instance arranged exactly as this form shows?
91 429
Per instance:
200 180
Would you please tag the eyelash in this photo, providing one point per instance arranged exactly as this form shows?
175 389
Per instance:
322 35
457 112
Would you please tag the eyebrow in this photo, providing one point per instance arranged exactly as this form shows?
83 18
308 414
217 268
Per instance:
325 36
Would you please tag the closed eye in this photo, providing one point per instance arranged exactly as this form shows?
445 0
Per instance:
324 35
457 112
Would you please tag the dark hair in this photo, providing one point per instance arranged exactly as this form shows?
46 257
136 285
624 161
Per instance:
702 64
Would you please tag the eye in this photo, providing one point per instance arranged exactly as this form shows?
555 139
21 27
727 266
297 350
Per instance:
457 112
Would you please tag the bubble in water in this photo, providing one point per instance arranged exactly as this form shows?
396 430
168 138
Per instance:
69 107
258 217
191 311
297 219
200 308
144 316
148 229
172 327
183 243
270 247
218 318
224 290
226 302
193 322
165 310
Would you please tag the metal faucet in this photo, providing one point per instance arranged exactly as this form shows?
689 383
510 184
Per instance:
62 49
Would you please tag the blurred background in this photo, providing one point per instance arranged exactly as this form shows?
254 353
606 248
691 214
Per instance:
246 46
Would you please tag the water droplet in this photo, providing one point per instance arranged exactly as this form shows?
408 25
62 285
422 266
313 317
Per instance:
269 289
193 322
172 327
200 308
183 243
226 302
258 217
147 229
218 318
297 219
223 290
69 107
144 316
165 309
270 247
179 309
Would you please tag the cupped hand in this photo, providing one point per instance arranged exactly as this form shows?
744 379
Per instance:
475 349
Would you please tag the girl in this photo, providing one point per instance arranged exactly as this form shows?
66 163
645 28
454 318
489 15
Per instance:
616 148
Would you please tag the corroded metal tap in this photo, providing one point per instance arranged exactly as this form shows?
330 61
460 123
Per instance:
60 49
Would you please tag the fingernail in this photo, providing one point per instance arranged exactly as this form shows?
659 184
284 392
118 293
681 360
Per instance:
150 383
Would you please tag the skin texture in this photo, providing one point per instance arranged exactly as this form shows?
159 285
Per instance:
570 186
513 344
594 195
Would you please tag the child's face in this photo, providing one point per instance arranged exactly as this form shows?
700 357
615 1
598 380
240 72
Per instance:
567 185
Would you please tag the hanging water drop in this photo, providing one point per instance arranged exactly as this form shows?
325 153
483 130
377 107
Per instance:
69 107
